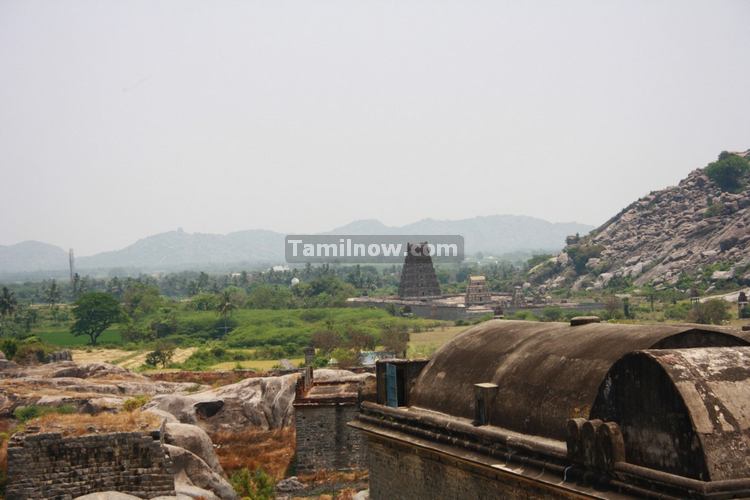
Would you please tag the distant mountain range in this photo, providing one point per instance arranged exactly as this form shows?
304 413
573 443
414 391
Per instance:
493 234
177 250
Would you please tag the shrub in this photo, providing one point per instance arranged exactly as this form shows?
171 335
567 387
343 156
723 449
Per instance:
312 315
728 172
326 340
580 255
345 358
9 348
714 208
135 402
613 308
255 485
26 413
678 312
32 351
395 340
524 315
714 311
551 314
162 355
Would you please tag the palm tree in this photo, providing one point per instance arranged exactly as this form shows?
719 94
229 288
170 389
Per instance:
8 303
225 307
52 295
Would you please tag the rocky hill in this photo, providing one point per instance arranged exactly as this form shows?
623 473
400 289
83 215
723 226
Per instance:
694 234
30 256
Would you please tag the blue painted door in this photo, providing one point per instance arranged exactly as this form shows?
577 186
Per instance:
391 385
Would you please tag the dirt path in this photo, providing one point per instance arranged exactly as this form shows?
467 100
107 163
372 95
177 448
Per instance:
126 359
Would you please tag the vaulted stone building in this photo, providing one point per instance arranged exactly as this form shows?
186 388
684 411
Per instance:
512 409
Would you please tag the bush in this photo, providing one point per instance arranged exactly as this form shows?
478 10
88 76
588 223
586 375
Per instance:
613 308
9 348
551 314
32 351
162 355
26 413
255 485
326 340
714 208
728 172
312 315
580 255
204 302
345 358
135 402
524 316
714 311
395 340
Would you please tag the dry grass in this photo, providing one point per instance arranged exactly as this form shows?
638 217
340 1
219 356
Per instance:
272 450
332 476
126 359
6 427
214 379
99 355
330 481
262 365
424 343
78 424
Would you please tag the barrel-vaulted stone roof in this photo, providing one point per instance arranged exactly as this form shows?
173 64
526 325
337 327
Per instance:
546 373
684 411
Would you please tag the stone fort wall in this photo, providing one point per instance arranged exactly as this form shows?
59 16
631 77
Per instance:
325 442
46 466
401 472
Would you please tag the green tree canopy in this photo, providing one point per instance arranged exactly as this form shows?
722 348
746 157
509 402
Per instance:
141 299
94 312
728 172
8 303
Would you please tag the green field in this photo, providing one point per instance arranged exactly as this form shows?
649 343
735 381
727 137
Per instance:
249 327
59 335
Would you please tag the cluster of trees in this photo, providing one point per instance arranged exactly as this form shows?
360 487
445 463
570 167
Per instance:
16 319
345 347
319 286
729 172
361 279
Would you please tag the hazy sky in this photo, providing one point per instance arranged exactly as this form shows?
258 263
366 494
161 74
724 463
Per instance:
120 119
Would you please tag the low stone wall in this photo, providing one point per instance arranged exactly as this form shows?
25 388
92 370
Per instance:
402 472
47 466
325 442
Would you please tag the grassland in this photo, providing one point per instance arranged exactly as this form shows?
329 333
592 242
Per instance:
421 344
255 364
249 327
257 338
424 344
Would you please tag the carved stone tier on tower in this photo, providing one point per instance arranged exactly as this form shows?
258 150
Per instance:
418 279
476 291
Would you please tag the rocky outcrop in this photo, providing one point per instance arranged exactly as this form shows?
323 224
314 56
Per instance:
91 388
195 440
256 403
191 471
261 403
683 229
